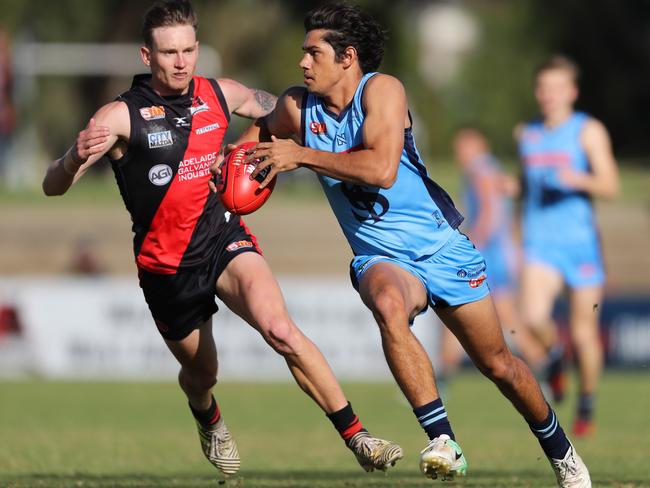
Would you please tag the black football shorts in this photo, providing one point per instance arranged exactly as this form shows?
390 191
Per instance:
182 302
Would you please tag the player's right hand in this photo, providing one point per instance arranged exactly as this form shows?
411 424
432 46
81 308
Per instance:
90 141
215 168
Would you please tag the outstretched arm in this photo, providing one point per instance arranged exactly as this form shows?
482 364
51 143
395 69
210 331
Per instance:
246 102
375 163
102 133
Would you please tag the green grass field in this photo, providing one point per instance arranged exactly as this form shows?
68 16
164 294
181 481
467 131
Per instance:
93 434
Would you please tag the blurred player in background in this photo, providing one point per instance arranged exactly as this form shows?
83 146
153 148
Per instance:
352 127
486 193
7 110
567 160
161 137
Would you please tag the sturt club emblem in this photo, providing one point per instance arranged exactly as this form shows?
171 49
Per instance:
367 203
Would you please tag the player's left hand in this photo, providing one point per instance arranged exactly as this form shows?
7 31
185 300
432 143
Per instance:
215 168
572 179
280 154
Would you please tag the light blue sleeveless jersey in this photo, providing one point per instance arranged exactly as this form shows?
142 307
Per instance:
554 213
411 220
499 250
501 225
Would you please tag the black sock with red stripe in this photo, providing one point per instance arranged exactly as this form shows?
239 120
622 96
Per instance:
346 422
209 417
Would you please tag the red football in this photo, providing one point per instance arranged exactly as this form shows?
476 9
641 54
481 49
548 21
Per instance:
237 192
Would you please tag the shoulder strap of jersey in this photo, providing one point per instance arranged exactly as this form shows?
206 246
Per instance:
358 96
580 119
221 97
303 115
129 99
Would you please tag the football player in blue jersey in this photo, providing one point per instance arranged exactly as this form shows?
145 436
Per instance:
487 192
351 126
567 160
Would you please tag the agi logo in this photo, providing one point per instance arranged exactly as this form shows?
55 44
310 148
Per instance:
160 174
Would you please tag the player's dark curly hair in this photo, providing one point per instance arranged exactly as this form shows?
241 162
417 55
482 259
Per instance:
166 13
350 26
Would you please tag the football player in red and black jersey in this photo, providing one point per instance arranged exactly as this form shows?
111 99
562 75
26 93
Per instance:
161 137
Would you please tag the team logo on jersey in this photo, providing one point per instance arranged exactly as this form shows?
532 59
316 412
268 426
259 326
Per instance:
318 128
368 263
368 203
196 167
549 159
198 105
181 122
154 112
341 140
477 282
207 128
472 272
233 246
438 217
160 139
160 174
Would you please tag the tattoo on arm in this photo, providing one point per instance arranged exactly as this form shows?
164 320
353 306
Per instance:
265 100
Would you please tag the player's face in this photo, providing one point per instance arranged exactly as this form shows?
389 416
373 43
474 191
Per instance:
321 70
555 91
468 145
172 58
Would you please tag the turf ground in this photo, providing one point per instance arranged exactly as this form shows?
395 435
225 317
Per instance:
81 434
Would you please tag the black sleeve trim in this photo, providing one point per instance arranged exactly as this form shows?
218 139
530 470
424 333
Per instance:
133 132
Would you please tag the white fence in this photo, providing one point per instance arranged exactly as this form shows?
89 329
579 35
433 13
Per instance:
101 328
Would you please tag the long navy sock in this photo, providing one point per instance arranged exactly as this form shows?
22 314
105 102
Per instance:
550 435
433 419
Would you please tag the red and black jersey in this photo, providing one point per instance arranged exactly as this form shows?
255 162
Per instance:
163 177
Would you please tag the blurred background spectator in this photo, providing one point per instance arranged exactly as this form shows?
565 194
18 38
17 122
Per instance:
7 113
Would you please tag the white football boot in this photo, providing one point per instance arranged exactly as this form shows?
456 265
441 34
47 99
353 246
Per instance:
571 472
443 457
373 453
219 447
